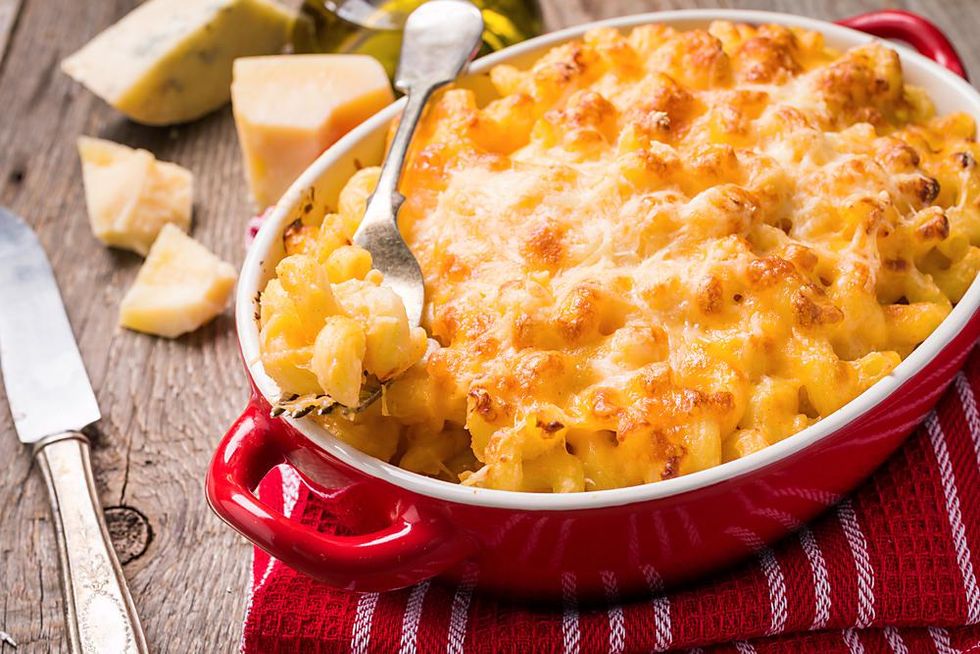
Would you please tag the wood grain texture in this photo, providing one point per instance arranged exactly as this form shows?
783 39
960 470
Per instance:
9 11
165 403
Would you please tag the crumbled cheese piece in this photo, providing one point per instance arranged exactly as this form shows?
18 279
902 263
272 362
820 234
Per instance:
130 195
181 286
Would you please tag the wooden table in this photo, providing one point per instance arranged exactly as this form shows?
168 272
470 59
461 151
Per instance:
166 403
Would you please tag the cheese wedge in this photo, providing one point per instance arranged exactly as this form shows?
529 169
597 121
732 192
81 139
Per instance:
289 109
169 61
181 286
130 195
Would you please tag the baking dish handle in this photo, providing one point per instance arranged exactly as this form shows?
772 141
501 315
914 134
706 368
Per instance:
917 31
411 548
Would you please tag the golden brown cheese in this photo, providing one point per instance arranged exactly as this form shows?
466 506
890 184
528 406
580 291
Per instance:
656 252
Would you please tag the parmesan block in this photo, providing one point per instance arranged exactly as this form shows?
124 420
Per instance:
169 61
130 195
289 109
181 286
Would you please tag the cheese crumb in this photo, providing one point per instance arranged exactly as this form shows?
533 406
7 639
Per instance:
181 286
130 195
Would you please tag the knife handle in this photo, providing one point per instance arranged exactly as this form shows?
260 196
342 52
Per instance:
100 613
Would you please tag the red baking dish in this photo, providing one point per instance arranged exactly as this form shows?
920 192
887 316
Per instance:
406 527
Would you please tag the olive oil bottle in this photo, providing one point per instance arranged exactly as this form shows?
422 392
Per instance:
374 27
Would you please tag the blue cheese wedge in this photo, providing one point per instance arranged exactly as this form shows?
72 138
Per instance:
181 286
130 195
169 61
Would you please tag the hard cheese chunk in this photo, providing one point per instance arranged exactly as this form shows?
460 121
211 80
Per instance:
130 195
289 109
169 61
180 287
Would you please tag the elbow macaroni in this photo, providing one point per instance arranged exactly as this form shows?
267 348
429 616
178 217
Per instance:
325 320
655 252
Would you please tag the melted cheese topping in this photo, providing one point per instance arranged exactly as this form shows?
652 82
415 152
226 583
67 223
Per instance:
657 252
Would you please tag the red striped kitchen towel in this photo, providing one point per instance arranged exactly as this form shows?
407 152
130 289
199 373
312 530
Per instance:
893 568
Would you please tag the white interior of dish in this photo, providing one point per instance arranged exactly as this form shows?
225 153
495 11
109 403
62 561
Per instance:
364 145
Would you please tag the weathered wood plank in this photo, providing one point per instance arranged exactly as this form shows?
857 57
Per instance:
9 11
166 403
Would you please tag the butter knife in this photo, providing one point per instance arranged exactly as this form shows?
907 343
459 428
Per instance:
50 399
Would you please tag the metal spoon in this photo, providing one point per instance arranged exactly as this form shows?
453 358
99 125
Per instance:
441 38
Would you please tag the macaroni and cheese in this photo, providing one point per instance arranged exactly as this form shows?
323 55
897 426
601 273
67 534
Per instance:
655 252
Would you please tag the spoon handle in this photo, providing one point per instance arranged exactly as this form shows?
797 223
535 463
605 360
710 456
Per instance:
385 202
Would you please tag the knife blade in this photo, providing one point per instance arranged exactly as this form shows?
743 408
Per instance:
47 387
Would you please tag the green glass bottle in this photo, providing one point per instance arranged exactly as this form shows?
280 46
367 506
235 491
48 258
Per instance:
374 27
